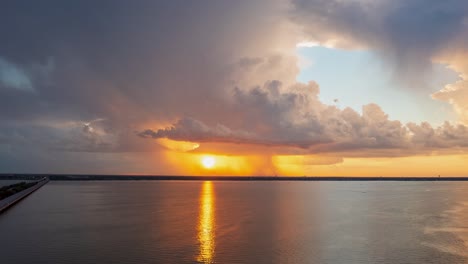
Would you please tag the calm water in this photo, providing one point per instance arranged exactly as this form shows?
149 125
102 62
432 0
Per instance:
238 222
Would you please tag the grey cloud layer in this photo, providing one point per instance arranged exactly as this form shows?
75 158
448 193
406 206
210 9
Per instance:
152 59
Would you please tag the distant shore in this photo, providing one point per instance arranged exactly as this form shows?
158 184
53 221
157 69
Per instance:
86 177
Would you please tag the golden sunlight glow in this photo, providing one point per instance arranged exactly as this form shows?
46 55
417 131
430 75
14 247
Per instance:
208 162
182 146
206 224
444 165
191 163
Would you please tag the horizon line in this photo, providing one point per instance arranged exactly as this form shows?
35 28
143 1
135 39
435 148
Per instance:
123 177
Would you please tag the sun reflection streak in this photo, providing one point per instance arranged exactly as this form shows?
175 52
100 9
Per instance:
206 224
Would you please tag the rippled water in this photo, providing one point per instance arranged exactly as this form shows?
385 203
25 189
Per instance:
238 222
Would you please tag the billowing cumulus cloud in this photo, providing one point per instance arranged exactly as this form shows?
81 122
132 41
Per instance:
105 78
457 93
295 117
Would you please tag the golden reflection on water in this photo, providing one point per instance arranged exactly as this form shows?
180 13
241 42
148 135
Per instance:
206 224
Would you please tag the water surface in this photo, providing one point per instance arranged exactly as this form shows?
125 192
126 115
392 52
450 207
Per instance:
238 222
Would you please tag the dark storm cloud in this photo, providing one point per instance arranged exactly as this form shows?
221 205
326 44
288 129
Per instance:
102 51
120 54
129 63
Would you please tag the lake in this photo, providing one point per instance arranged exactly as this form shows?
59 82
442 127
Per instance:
238 222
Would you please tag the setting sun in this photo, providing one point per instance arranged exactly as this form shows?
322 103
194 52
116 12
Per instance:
208 162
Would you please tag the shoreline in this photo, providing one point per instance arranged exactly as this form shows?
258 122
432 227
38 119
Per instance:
92 177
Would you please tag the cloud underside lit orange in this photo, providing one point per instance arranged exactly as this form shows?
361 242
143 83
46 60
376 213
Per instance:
245 160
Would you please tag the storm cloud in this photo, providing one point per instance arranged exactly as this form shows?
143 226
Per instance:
91 78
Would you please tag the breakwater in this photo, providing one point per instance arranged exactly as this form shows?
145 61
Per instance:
13 199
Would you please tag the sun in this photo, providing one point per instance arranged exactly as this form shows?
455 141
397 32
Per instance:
208 162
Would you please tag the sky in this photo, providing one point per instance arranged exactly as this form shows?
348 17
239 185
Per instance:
355 78
248 87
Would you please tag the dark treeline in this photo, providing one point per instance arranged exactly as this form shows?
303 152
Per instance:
9 190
